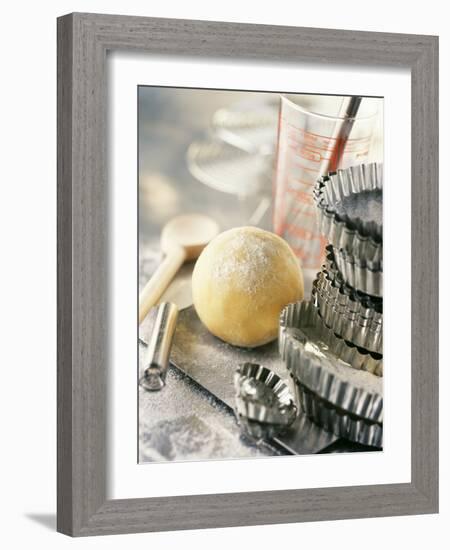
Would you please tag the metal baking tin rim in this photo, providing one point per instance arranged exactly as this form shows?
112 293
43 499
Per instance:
354 317
369 178
332 278
312 372
364 337
355 273
357 237
356 358
367 336
282 414
342 423
332 252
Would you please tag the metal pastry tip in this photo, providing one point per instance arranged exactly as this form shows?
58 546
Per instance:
152 380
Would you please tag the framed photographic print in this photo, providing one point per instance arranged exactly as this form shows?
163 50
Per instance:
247 274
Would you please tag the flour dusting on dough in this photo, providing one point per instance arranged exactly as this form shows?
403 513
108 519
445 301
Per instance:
247 263
241 282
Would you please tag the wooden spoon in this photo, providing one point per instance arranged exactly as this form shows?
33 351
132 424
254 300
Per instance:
182 239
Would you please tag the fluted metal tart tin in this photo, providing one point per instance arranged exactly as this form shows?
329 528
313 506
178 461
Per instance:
338 421
264 405
364 276
301 321
353 316
343 226
327 366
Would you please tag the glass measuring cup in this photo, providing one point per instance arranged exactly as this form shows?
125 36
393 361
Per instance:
308 138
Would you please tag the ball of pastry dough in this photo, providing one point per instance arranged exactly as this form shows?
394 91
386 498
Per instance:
241 282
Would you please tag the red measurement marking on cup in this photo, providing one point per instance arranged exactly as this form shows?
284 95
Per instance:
299 211
301 185
307 258
301 166
326 139
317 148
300 232
302 156
298 208
310 154
302 196
296 131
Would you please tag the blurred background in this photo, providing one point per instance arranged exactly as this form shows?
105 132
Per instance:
213 151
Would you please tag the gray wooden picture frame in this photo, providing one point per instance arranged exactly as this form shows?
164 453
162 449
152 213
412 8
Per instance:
83 41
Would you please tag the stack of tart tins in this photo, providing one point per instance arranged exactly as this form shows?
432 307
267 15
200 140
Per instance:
350 314
333 344
336 383
350 205
348 290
